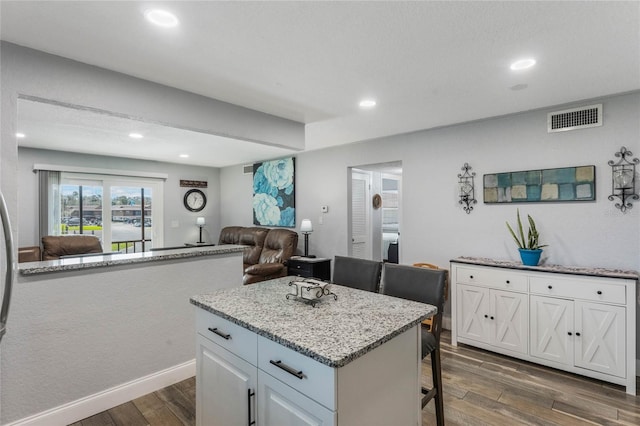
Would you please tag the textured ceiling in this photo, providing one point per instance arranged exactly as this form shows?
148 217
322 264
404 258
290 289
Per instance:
428 64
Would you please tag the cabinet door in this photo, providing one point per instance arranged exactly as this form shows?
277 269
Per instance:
601 345
281 405
509 317
551 323
473 312
225 387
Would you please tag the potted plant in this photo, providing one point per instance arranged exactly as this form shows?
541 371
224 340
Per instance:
530 248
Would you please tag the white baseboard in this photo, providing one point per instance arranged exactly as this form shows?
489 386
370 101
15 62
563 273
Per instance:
109 398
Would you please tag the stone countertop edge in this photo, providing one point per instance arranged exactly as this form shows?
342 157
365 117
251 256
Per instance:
558 269
306 351
310 348
92 262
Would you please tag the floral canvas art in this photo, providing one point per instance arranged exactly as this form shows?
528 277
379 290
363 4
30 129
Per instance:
274 201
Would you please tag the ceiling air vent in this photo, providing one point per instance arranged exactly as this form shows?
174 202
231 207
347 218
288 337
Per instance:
247 169
574 118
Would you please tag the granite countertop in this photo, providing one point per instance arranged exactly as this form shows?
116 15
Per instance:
101 261
559 269
335 332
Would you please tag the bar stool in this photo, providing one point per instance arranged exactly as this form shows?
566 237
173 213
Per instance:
357 273
426 286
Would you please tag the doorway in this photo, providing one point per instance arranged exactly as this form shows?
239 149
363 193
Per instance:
374 211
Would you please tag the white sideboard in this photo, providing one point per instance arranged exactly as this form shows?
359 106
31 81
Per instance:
575 319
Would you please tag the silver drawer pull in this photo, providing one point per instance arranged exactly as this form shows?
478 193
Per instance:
288 369
220 333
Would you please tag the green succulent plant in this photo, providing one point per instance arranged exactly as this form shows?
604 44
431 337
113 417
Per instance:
532 241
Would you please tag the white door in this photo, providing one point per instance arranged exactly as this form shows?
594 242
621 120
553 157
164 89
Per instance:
510 321
601 345
552 329
225 387
473 313
360 222
281 405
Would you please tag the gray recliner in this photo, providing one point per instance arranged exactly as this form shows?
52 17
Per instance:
357 273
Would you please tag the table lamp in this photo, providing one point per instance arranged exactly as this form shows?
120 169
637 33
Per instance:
306 228
200 223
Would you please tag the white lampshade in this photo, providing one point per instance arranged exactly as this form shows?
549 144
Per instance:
306 226
200 221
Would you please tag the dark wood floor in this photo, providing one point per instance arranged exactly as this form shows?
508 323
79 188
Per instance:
481 388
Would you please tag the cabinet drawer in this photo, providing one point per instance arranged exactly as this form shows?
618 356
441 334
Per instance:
594 290
494 278
237 339
300 267
317 380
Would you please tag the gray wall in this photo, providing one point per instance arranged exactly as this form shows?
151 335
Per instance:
434 228
26 72
174 210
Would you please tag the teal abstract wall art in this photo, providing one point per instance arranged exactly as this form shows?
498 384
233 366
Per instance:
536 186
274 202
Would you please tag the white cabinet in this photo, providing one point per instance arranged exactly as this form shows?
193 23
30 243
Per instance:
242 378
578 323
282 405
492 316
225 386
582 334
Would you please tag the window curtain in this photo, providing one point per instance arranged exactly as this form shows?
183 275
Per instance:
49 195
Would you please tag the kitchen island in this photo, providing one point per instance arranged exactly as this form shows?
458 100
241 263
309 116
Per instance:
350 361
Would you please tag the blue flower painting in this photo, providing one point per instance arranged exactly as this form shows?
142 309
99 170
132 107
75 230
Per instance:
273 193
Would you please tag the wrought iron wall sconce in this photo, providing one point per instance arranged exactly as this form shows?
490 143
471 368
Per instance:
466 188
623 179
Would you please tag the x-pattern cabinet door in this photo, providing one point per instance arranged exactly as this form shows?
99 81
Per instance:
509 315
473 312
552 329
601 345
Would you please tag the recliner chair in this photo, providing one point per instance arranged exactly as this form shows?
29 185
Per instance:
278 247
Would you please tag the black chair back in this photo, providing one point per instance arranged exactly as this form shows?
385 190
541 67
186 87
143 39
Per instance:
418 284
362 274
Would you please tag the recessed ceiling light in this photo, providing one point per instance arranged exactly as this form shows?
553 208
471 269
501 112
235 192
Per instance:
367 103
161 18
135 136
523 64
20 135
184 155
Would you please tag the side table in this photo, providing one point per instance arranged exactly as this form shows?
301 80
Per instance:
310 267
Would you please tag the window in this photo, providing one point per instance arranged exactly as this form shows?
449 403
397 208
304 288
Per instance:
118 210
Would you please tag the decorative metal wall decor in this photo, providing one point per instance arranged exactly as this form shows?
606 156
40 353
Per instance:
466 188
274 202
546 185
623 179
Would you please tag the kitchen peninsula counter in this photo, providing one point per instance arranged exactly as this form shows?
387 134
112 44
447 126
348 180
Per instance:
119 259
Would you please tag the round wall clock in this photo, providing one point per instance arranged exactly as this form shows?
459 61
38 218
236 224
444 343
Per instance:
195 200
